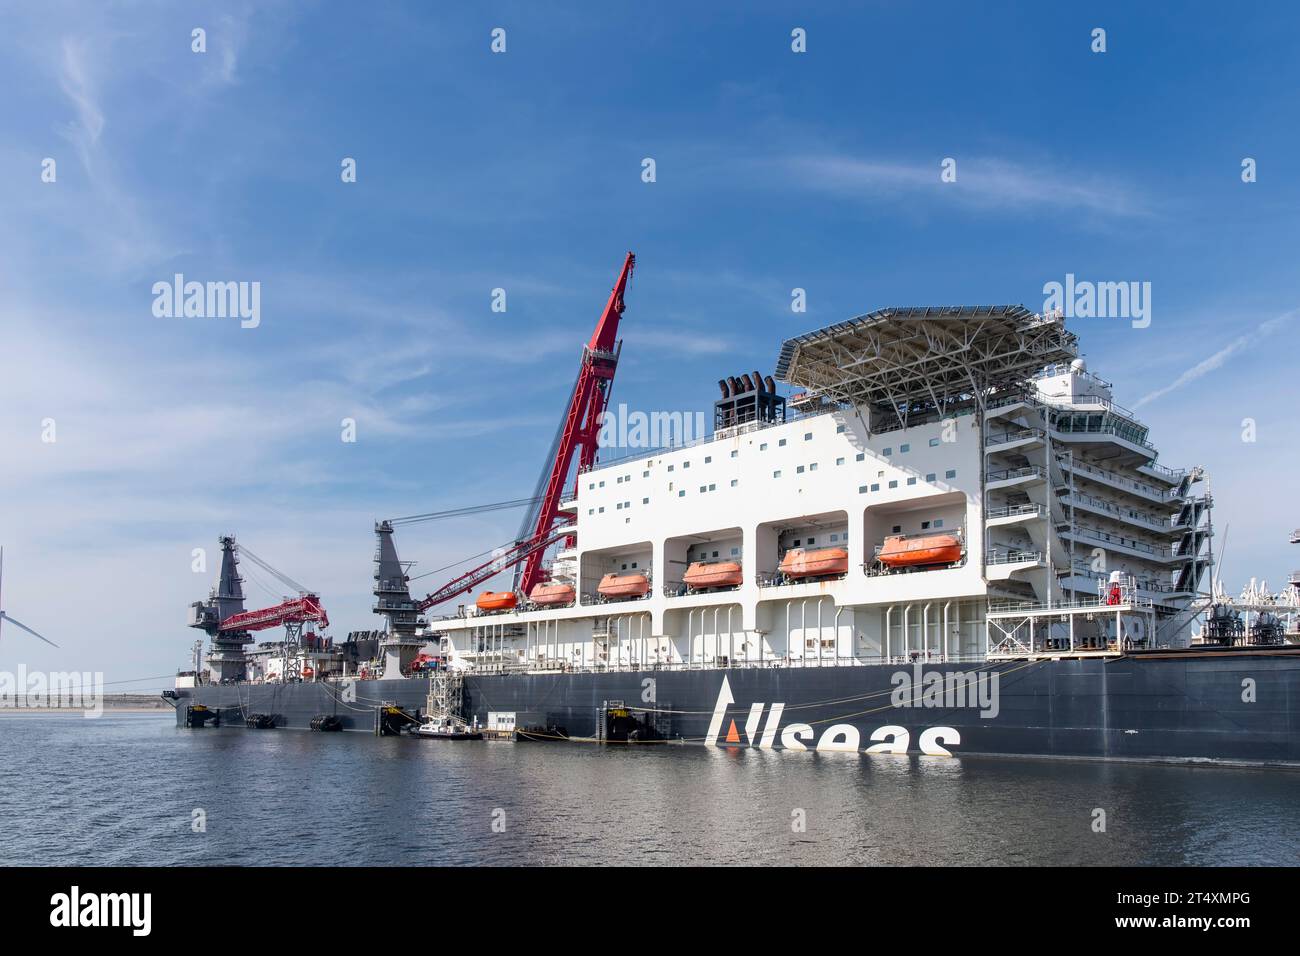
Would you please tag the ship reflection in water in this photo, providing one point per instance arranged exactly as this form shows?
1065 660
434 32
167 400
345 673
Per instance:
124 790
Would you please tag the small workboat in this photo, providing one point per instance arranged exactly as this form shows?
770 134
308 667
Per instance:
924 550
633 584
552 595
446 728
713 574
496 600
815 562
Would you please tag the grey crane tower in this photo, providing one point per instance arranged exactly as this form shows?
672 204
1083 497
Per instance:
226 658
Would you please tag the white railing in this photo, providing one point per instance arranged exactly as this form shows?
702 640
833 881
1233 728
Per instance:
1012 556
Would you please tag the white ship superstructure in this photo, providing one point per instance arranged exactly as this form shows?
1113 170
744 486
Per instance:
936 466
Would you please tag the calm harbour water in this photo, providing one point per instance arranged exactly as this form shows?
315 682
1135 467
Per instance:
122 789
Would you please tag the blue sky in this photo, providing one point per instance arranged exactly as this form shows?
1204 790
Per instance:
522 170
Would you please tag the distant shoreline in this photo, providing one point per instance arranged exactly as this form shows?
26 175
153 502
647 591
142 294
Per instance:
6 711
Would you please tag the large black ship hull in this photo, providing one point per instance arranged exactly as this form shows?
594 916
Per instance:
1237 706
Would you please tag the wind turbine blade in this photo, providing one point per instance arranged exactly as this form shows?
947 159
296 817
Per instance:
17 623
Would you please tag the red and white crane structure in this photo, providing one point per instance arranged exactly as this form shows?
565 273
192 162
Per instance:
546 524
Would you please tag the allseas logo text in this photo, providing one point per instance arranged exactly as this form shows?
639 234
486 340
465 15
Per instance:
947 690
889 739
73 909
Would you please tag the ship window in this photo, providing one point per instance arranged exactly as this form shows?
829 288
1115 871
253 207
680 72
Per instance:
796 542
763 447
776 474
645 474
627 504
835 537
686 464
781 443
620 480
839 461
862 489
904 449
734 453
601 510
898 529
934 443
645 501
592 486
839 429
633 564
950 473
875 486
893 484
807 436
703 488
925 526
591 511
911 481
735 552
812 540
859 456
938 522
670 467
619 506
889 451
682 493
713 487
602 484
734 482
625 567
715 554
813 466
708 459
799 469
930 476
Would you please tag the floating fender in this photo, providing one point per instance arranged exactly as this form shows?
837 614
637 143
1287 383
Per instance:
328 722
260 722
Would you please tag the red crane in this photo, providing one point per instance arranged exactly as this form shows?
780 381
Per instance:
545 524
300 610
581 425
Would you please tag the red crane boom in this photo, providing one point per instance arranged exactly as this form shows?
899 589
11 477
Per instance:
580 429
471 579
294 611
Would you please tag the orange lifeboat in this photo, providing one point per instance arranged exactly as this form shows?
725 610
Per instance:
635 584
496 600
551 595
899 551
815 563
716 574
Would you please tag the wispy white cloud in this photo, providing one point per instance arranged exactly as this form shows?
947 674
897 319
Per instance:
78 84
1221 357
981 182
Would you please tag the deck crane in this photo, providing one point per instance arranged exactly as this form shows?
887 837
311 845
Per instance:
545 524
229 626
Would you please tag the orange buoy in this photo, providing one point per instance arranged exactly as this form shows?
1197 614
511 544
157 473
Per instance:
496 600
552 595
715 574
635 584
815 563
899 551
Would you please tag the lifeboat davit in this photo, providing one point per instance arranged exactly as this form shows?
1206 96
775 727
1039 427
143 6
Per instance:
715 574
635 584
814 563
920 551
552 595
496 600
